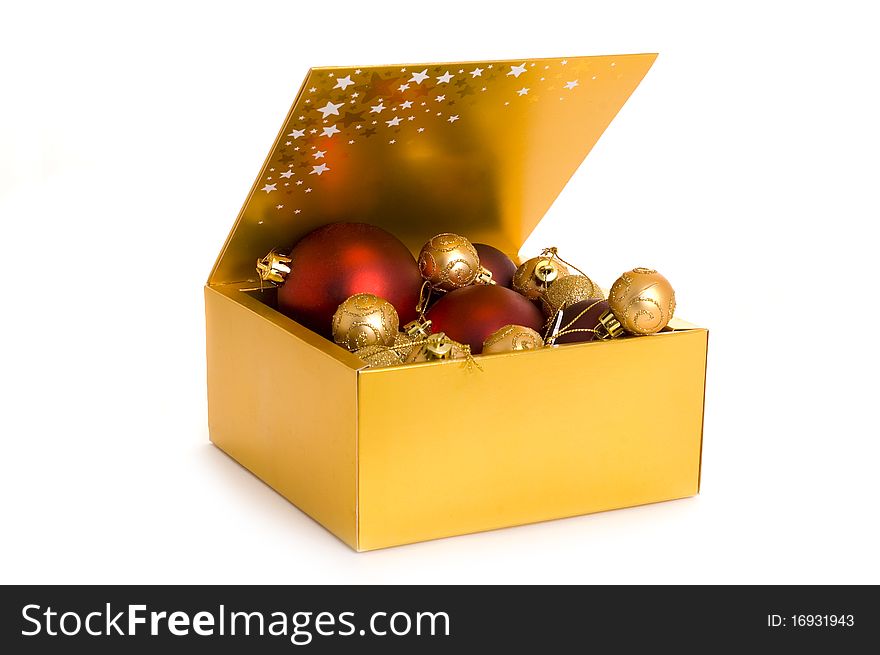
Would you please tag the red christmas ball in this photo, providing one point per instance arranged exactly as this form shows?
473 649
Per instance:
337 261
469 315
578 319
501 265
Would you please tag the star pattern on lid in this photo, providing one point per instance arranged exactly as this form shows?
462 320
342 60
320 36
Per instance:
400 106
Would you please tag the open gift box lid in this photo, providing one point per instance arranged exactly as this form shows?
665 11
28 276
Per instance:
477 148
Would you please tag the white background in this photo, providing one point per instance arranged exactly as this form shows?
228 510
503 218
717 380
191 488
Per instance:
745 168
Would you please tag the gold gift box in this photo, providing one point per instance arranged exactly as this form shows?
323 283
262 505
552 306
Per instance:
390 456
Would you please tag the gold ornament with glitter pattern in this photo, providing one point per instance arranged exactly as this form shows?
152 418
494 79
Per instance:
365 320
510 338
449 261
569 290
536 275
642 301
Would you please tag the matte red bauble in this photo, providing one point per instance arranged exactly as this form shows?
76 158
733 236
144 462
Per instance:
469 315
339 260
579 320
494 260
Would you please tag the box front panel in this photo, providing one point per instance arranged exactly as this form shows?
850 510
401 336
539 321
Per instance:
533 436
283 408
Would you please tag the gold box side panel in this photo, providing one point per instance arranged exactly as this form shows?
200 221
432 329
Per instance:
533 436
284 410
478 148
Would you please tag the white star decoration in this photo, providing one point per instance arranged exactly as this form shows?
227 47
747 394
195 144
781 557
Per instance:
397 106
329 109
418 78
343 82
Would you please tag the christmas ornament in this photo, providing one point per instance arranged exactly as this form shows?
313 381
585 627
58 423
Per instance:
337 261
567 291
510 338
449 261
578 322
365 320
535 276
379 356
496 262
471 314
642 301
437 346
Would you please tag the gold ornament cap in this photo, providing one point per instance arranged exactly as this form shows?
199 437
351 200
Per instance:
438 347
418 329
273 267
365 320
449 261
535 276
567 291
642 300
511 338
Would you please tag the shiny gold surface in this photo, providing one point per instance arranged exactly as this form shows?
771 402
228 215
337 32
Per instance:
284 405
449 262
477 148
510 338
621 427
365 320
274 267
642 300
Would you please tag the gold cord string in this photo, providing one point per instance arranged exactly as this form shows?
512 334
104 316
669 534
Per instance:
554 254
469 360
567 329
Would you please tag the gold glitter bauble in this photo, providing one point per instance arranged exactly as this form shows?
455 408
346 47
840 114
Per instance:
449 261
512 337
365 320
536 275
378 356
437 346
642 300
569 290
